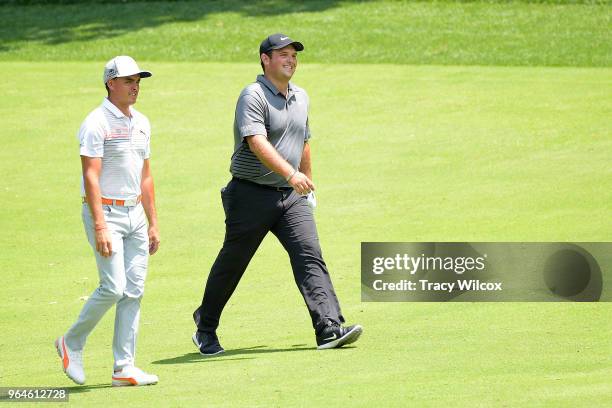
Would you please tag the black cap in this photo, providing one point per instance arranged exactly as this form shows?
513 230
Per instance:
278 41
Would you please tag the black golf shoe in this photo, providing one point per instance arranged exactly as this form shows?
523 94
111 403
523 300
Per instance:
207 343
333 335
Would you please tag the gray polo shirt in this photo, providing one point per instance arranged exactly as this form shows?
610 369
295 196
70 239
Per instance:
262 110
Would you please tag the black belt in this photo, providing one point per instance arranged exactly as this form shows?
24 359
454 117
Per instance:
262 185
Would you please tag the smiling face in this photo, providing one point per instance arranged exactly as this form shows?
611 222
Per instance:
281 64
123 91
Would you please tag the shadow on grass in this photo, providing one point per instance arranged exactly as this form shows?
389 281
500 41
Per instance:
77 21
78 389
229 354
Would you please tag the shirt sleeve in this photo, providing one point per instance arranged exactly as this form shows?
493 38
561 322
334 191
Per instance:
307 134
307 131
148 149
148 146
250 116
91 140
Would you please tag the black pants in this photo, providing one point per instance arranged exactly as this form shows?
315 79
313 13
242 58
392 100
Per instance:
251 211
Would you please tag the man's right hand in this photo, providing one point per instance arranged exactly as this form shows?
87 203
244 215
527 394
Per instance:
301 184
104 244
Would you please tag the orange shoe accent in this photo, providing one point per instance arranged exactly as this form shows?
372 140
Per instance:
128 379
65 358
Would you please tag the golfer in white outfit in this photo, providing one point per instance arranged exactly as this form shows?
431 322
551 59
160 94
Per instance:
120 221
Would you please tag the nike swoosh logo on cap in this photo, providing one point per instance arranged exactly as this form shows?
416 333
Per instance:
283 38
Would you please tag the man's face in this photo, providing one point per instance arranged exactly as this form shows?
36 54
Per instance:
282 63
125 89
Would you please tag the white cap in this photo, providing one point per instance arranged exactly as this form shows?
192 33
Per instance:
123 66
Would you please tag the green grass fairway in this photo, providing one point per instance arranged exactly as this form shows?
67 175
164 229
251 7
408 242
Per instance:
401 153
517 33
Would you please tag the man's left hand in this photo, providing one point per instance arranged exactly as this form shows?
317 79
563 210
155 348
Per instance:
153 239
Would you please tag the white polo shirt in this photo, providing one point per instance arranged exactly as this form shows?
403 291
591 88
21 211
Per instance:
123 143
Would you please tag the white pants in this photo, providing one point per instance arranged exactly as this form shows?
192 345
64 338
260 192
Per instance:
122 277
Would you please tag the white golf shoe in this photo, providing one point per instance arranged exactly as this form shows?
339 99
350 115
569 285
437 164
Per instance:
72 361
133 376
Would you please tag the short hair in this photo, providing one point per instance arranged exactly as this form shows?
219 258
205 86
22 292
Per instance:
107 90
269 54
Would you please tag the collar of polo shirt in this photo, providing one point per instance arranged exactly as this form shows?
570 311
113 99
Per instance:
115 110
271 87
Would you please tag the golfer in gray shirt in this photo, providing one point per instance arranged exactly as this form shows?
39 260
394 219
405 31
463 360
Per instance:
271 190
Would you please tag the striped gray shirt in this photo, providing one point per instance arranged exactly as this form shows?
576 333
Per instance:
262 110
